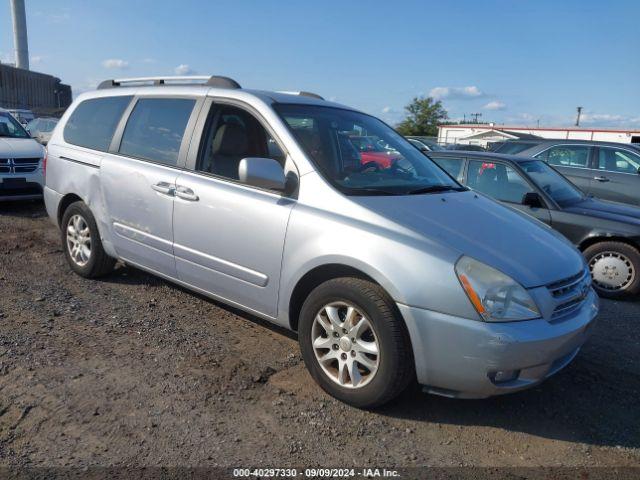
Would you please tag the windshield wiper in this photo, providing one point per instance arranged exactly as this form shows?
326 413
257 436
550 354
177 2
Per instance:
370 191
435 189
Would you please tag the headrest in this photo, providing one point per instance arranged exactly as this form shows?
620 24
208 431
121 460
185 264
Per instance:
231 139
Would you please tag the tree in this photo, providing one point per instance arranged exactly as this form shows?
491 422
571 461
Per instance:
424 114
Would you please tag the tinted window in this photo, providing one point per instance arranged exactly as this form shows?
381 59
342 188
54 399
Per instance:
453 166
155 129
497 180
615 160
512 148
93 122
231 135
381 161
567 156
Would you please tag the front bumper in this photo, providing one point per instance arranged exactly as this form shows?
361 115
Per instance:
456 357
21 186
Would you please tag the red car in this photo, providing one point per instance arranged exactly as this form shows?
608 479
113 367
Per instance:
372 152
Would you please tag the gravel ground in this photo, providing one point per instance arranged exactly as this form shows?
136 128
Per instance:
133 371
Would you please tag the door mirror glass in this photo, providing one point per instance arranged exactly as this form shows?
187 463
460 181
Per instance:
533 200
262 173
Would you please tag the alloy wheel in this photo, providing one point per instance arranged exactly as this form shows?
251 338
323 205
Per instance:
79 240
345 345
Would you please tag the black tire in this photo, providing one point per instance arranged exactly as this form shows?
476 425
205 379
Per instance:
629 253
396 367
99 263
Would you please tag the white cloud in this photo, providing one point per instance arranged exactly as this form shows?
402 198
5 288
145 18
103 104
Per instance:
36 59
115 63
608 120
149 60
459 93
184 69
495 105
387 110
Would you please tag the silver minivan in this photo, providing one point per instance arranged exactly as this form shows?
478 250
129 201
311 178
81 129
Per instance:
389 270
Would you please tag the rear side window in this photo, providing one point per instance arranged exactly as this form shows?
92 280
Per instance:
512 148
453 166
567 156
93 122
155 129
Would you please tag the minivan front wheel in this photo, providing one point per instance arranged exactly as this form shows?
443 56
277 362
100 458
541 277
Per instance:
81 242
354 342
615 269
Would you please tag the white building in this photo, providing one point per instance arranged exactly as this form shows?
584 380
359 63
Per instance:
482 134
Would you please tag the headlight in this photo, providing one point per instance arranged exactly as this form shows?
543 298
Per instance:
496 296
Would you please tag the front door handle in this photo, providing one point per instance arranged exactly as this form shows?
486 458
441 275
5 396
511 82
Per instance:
186 193
601 179
163 187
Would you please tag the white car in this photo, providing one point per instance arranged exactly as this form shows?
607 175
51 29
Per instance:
22 161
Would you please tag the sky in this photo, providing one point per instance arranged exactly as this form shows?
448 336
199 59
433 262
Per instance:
516 62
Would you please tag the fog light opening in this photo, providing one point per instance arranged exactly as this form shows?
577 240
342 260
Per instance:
504 376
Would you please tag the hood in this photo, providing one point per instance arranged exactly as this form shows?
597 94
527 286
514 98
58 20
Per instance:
20 148
471 224
594 207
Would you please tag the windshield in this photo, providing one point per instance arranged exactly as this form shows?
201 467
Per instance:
9 127
554 184
331 136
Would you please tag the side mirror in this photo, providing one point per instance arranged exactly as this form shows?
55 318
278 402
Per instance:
262 173
533 200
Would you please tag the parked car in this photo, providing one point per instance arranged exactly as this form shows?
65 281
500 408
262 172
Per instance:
374 152
425 144
607 170
388 275
608 233
23 116
21 161
41 128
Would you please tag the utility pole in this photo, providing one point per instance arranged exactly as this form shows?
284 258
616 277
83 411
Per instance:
475 116
578 117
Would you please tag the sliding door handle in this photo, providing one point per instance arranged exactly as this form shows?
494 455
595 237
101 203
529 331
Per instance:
186 193
601 179
163 187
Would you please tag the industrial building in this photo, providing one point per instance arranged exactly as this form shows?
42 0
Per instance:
43 94
483 134
20 88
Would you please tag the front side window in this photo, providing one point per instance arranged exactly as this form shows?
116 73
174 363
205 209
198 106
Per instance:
614 160
231 135
155 129
360 155
10 127
553 183
567 156
94 121
497 180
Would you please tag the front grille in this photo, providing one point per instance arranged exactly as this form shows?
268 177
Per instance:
25 161
27 169
569 293
19 165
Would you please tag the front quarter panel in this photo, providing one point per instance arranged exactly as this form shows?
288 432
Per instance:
411 269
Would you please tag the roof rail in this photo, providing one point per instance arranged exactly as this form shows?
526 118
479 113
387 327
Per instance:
304 94
211 81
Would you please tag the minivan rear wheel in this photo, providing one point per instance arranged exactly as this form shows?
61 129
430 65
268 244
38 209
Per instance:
355 343
615 269
81 242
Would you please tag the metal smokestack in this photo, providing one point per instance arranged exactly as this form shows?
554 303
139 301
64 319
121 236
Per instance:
20 42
